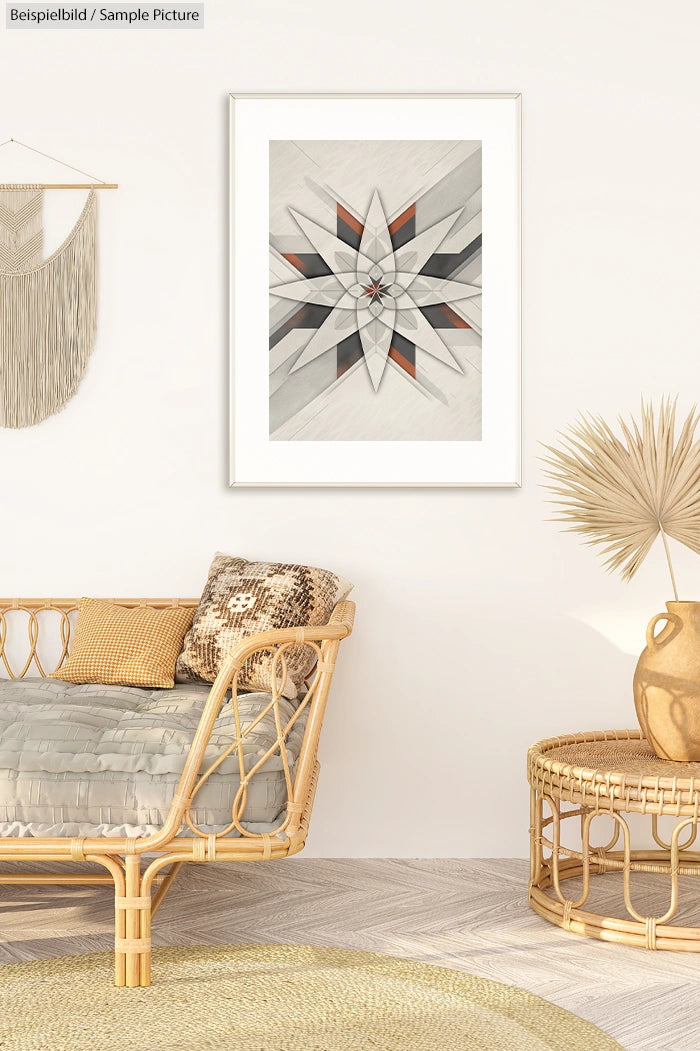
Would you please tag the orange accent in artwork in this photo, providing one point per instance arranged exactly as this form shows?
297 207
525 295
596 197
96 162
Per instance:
294 260
350 220
455 320
401 219
402 361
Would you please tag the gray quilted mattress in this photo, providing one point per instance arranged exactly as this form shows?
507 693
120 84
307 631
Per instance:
106 760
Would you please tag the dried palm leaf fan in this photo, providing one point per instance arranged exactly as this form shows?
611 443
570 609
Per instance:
48 306
622 492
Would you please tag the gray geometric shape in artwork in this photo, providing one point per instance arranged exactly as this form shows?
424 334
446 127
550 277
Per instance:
417 252
343 260
334 329
376 239
324 291
422 333
376 343
298 389
457 186
407 320
424 291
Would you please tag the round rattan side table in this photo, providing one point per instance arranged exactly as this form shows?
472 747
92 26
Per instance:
576 781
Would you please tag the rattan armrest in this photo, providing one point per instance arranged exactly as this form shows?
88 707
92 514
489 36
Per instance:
326 639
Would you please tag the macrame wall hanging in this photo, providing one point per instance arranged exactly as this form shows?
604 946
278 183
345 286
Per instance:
48 306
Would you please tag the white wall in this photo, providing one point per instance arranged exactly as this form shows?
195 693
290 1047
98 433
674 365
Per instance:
480 626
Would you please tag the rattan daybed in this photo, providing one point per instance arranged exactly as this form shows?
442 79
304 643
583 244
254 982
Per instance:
240 789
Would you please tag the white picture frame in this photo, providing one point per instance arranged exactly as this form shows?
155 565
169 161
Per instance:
361 412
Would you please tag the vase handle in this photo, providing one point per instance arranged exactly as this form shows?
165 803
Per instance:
653 641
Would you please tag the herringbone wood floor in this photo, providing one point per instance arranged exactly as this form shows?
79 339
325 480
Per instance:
467 914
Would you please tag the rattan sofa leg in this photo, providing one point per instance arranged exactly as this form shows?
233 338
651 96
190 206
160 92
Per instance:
136 946
132 940
145 962
119 956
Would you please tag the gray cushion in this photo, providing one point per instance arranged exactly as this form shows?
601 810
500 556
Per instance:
81 760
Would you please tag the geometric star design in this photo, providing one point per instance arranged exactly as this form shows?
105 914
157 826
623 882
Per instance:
376 290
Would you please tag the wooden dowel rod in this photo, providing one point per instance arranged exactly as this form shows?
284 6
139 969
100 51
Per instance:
79 186
66 185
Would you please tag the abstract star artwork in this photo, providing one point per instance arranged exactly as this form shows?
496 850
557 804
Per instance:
391 289
375 322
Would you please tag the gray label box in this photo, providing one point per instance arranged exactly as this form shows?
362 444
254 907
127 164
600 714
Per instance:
104 16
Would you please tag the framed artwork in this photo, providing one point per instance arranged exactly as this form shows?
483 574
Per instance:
375 290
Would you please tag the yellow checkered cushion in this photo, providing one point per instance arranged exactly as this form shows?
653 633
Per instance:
120 646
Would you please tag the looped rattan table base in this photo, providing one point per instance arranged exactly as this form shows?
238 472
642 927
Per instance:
579 778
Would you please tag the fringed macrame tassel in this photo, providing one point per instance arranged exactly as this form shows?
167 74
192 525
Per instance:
48 320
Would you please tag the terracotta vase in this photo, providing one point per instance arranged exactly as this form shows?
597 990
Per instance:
667 683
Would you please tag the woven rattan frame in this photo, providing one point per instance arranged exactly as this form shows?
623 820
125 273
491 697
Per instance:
139 890
562 777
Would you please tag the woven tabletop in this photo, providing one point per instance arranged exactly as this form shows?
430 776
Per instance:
613 769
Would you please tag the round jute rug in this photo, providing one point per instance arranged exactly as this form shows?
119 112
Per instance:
277 998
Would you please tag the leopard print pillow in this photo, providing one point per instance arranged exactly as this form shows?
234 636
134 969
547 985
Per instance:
242 598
